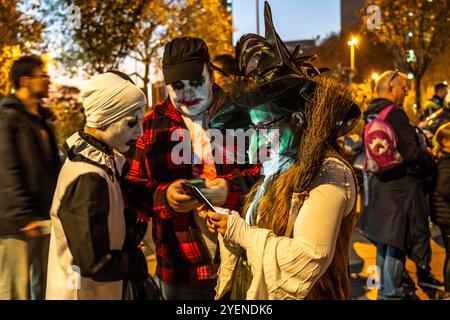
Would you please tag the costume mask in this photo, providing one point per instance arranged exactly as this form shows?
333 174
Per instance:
122 134
191 98
270 132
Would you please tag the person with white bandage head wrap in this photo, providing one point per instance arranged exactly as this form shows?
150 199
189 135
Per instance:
90 255
113 106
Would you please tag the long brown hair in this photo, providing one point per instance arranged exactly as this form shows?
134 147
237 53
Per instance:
443 133
331 101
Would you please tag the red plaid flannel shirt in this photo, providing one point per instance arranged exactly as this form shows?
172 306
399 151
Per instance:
182 256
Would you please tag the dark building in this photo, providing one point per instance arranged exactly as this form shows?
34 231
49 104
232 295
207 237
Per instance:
349 13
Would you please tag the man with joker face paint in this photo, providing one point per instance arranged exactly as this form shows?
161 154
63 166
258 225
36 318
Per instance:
90 253
187 258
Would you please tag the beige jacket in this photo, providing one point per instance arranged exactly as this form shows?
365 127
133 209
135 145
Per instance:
287 268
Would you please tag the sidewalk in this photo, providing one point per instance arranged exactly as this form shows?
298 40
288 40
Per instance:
362 263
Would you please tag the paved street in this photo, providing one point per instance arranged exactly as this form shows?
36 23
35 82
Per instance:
362 266
365 258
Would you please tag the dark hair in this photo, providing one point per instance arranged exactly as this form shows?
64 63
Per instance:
24 67
439 86
227 63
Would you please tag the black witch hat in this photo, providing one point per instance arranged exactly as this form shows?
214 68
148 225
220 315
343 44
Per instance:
269 73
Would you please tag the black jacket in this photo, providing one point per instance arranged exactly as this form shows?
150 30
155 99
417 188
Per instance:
417 161
397 210
29 166
441 195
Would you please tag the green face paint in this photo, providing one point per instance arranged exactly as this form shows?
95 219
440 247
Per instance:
277 135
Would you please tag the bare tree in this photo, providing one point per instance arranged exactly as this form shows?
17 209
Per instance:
416 31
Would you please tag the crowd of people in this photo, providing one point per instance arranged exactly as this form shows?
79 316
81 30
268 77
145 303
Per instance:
278 229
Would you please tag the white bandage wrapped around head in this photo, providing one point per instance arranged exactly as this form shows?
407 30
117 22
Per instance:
107 98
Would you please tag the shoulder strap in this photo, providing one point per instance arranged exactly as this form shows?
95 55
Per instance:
383 114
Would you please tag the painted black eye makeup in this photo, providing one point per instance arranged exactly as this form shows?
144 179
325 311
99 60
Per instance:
178 85
197 83
133 123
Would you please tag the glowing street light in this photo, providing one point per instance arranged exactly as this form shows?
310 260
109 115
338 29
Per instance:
352 42
375 76
28 44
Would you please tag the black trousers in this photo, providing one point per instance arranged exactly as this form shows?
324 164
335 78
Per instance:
419 233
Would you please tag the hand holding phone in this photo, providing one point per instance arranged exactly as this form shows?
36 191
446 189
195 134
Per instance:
198 195
178 199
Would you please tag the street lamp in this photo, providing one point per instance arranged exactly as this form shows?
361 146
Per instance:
352 43
257 17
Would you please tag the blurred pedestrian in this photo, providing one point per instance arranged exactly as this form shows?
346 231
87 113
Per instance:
29 166
437 101
441 198
437 110
397 211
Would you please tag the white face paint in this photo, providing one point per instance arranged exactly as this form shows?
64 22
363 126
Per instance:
122 134
192 97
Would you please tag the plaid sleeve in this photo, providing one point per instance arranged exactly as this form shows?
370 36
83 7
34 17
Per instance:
149 197
239 184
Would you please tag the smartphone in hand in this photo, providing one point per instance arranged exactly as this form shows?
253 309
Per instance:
198 195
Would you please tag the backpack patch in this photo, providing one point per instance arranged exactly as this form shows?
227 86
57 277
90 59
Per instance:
380 142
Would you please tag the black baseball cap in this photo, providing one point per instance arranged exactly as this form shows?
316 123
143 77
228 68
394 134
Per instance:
184 58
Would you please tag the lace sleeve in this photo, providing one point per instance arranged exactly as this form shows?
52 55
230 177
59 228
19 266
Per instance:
335 172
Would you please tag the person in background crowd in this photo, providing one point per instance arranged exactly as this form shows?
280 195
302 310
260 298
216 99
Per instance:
437 101
441 198
397 212
91 248
438 112
29 167
187 256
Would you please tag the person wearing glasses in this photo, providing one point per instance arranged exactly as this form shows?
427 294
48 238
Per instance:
29 166
291 239
397 212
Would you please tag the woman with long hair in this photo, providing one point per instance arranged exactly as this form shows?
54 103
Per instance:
296 224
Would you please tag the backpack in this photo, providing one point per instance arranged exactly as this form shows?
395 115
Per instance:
380 142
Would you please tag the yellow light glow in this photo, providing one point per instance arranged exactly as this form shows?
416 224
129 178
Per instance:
353 41
28 44
375 76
